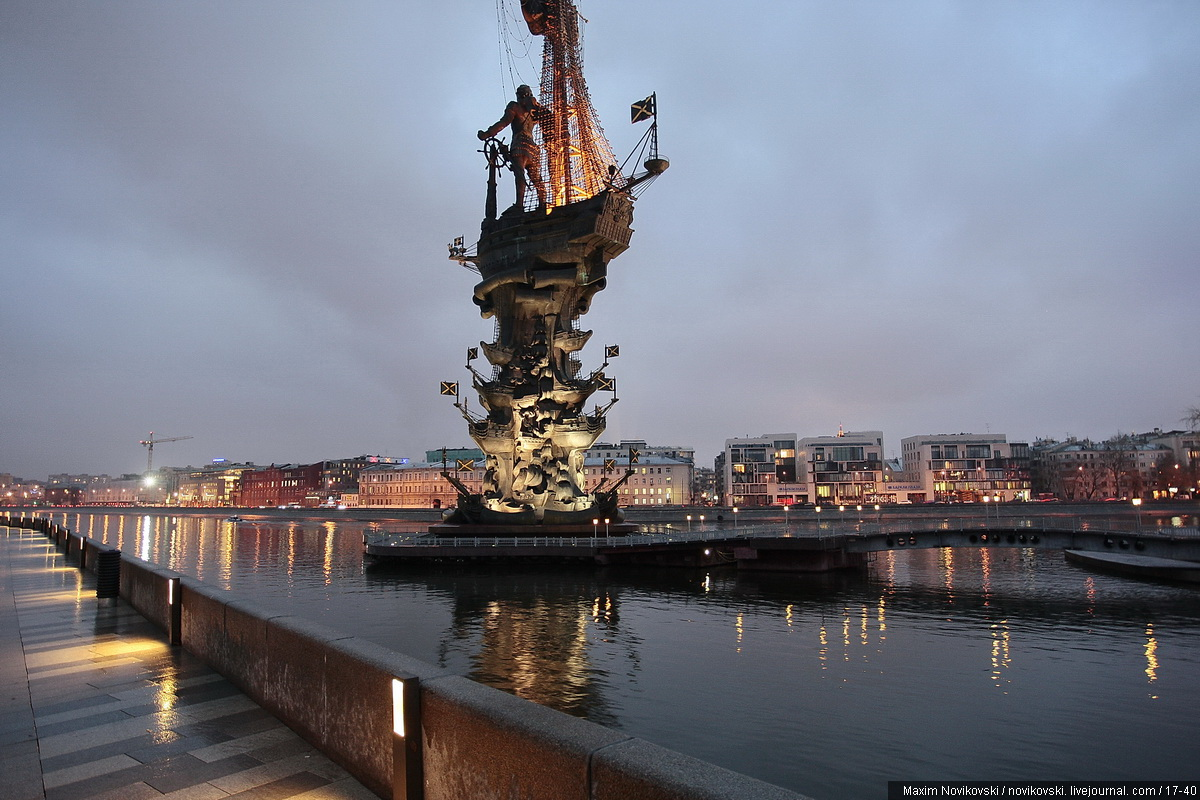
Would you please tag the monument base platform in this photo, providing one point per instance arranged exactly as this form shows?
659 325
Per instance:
549 531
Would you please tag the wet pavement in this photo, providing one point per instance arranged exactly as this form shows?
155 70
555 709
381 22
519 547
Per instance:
95 704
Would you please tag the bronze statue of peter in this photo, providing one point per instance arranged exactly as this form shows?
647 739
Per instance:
523 115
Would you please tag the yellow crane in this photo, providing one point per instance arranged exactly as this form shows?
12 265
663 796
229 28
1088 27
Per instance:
149 443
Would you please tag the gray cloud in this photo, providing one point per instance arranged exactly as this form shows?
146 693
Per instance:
228 220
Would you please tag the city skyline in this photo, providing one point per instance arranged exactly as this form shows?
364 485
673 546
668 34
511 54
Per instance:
228 221
890 445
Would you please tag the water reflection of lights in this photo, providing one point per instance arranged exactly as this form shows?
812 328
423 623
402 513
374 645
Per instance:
707 583
1151 657
739 625
845 634
225 557
985 562
889 568
291 549
145 537
540 650
859 618
327 563
946 558
1001 652
175 556
203 537
787 615
604 609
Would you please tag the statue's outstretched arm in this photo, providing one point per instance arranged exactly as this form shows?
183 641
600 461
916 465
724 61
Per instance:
510 113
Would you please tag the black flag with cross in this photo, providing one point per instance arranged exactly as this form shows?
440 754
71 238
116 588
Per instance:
642 109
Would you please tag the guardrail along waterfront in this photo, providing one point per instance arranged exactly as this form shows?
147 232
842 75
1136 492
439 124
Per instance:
805 546
402 727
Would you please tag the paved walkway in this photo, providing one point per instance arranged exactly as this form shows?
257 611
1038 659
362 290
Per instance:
94 704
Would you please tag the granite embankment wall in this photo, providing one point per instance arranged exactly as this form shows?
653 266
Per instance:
335 690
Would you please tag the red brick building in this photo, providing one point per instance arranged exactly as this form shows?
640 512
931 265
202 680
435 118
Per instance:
287 484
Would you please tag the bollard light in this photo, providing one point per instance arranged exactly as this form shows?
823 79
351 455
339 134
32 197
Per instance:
174 611
408 780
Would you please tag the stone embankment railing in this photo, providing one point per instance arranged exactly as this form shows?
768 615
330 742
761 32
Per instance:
402 727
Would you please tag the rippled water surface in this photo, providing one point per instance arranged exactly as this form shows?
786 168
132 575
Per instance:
933 665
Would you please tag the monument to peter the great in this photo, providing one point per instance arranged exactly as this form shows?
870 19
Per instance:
540 263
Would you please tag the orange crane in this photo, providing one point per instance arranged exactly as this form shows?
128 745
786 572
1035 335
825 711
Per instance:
149 445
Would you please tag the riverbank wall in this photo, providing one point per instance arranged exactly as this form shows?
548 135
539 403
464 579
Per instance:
338 692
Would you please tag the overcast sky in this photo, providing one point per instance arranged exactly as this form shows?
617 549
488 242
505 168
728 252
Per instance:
228 220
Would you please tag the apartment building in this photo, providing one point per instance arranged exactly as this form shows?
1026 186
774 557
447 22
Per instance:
965 467
1080 469
214 485
761 471
281 485
844 469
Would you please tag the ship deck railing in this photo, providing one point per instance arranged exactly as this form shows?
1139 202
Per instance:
725 532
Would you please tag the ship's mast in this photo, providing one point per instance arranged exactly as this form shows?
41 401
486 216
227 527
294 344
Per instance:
579 162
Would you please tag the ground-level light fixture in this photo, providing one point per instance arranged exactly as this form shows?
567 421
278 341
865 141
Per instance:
408 778
174 611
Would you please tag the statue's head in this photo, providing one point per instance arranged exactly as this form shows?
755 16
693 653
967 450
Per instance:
524 91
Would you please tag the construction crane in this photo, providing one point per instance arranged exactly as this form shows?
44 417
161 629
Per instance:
149 445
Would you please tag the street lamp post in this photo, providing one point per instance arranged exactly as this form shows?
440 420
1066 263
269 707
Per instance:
1137 504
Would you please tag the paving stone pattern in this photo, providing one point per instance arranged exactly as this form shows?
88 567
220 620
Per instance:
95 704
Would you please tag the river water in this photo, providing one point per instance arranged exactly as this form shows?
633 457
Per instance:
931 665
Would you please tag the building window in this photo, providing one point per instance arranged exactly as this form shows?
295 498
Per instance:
847 454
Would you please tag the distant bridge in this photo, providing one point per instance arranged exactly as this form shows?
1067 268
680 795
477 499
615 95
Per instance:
808 546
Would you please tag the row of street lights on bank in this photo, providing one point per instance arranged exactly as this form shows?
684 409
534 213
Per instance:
987 500
786 514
